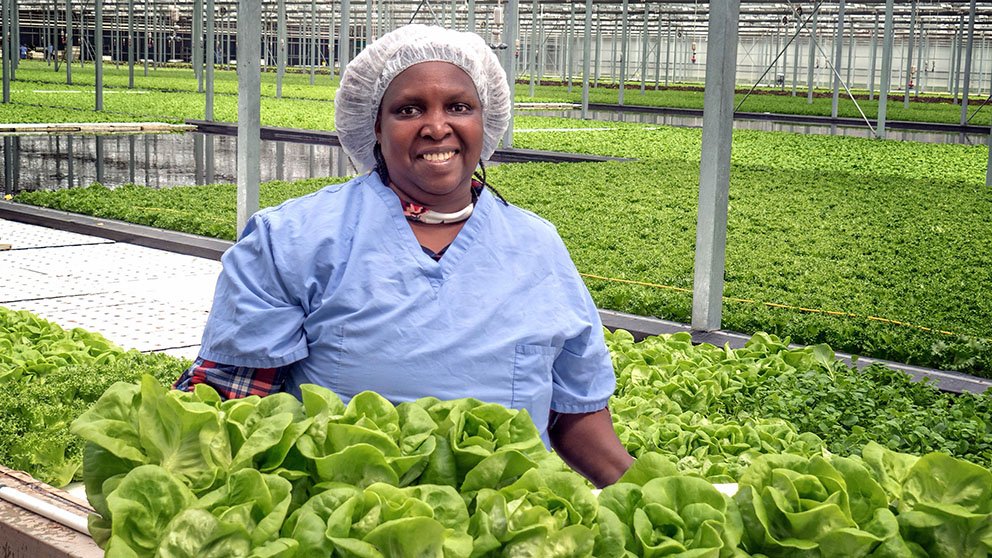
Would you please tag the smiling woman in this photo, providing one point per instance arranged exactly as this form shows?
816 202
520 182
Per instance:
429 132
416 279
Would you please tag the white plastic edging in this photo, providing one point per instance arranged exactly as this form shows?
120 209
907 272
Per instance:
44 509
729 488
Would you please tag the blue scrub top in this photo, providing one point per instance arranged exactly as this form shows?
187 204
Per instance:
336 284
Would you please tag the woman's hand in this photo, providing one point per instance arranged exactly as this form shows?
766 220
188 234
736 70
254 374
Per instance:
588 444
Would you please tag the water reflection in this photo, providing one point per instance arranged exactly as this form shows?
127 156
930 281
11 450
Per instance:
51 162
768 126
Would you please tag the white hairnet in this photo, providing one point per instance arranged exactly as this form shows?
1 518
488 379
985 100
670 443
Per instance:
366 78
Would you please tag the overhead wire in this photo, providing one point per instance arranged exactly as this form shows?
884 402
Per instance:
838 313
816 8
841 80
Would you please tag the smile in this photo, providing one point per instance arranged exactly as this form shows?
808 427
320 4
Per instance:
438 157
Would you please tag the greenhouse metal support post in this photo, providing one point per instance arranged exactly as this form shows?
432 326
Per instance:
144 38
12 34
344 37
586 62
281 47
208 112
596 59
909 56
312 43
838 54
812 59
5 7
196 44
98 59
623 52
966 89
532 54
668 51
509 62
15 38
657 54
714 169
795 59
871 61
130 44
956 62
883 95
644 51
68 42
919 60
249 108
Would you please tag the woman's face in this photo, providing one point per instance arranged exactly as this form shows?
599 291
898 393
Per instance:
430 129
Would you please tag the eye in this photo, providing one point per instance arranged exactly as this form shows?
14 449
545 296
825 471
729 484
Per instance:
407 110
461 107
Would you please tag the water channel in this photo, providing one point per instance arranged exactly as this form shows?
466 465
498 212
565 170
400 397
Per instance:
52 162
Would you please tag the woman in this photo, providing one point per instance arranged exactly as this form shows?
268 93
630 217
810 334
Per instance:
414 279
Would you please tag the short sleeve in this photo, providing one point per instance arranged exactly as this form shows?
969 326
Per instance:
582 375
255 320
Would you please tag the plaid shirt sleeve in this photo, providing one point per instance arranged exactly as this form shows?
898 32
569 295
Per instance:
232 382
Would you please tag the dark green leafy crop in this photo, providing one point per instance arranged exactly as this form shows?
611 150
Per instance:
714 409
35 416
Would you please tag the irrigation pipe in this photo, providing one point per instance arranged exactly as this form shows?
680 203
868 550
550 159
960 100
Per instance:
44 509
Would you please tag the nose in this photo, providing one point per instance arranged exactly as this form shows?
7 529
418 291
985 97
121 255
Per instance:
435 125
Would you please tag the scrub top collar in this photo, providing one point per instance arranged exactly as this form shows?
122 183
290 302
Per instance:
438 270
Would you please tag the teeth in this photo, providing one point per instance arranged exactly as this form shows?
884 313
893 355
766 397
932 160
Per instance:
439 157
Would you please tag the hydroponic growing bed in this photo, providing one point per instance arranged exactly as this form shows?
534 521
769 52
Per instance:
796 431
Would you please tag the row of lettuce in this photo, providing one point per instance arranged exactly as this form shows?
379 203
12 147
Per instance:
822 471
36 83
186 474
906 280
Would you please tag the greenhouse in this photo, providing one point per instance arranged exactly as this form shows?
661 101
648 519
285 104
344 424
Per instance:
472 278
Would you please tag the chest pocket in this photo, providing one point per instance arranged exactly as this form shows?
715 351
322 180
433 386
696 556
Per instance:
532 379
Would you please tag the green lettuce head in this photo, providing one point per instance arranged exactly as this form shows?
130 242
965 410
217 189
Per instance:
547 514
371 441
479 444
798 507
382 521
655 512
